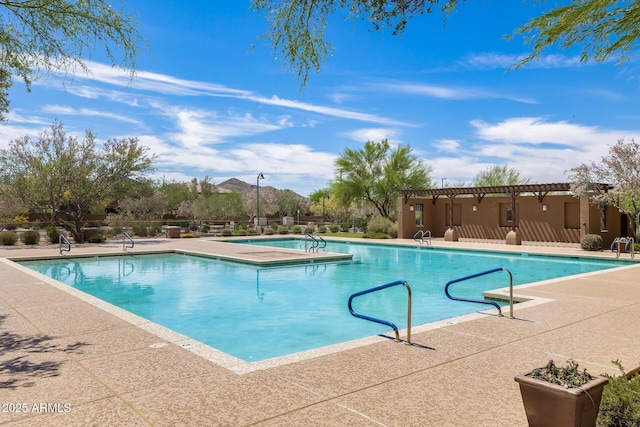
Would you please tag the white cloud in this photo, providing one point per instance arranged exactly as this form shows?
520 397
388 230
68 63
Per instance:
374 134
493 60
66 110
448 92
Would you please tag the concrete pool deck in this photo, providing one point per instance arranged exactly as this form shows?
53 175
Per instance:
65 361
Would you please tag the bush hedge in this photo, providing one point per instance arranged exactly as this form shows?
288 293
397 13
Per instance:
30 237
591 242
8 238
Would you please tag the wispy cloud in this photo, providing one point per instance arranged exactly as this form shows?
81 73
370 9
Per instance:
69 111
446 92
161 84
493 60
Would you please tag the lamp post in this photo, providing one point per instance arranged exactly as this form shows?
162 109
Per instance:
442 182
260 176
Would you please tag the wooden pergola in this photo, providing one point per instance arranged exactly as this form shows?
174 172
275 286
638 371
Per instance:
513 191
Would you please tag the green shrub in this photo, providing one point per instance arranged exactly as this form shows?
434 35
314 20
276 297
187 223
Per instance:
225 232
30 237
251 231
8 238
591 242
376 236
97 238
11 226
269 231
53 234
334 228
206 228
283 229
296 229
382 225
620 404
241 232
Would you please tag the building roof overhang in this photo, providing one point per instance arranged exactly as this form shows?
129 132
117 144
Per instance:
539 190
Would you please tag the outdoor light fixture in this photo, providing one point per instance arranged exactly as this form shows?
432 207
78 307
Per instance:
475 208
260 176
544 208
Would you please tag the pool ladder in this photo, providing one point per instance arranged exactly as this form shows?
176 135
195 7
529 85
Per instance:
317 242
629 243
126 244
493 303
422 236
61 239
386 322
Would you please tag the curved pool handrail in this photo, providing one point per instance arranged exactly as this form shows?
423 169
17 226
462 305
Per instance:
493 303
381 321
421 236
125 235
314 243
63 238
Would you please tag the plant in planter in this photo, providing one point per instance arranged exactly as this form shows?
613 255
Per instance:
561 396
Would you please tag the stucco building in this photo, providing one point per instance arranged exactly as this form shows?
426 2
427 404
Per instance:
530 212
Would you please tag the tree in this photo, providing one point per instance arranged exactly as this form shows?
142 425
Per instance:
621 168
499 175
603 28
56 35
66 177
223 206
376 174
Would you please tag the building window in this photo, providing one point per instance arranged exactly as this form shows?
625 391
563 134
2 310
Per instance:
419 215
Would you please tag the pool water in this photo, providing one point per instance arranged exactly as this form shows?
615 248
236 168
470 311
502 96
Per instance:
255 313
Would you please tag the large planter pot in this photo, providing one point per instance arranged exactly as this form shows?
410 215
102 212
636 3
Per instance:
548 404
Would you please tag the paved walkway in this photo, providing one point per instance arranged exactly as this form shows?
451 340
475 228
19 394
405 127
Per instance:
65 360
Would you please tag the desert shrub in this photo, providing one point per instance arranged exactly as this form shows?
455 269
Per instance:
322 228
11 226
53 234
140 229
269 231
381 225
8 238
97 238
225 232
274 226
241 232
620 404
206 228
296 229
30 237
283 229
376 236
334 228
591 242
251 231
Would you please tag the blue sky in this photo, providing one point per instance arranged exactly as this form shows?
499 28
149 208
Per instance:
208 105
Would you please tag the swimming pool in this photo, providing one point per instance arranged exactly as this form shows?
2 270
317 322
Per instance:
255 313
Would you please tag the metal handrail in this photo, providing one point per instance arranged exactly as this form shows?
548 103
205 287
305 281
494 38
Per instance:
385 322
314 244
629 242
426 234
495 304
125 235
60 239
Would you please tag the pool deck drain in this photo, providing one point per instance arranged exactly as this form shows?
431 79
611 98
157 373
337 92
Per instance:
90 367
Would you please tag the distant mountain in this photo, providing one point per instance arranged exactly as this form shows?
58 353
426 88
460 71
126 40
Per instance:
268 193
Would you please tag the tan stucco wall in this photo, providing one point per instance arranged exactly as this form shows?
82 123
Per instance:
566 218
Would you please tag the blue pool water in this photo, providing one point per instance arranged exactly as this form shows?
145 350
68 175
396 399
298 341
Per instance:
255 313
